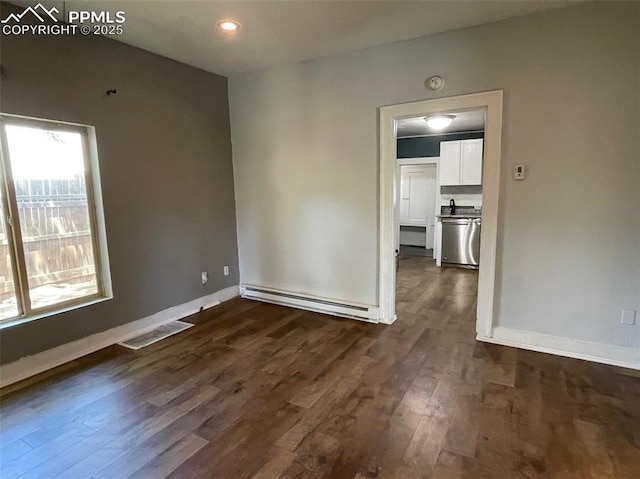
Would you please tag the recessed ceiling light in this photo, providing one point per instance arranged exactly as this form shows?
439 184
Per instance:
228 26
439 122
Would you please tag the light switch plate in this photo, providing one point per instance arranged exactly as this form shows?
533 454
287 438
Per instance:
519 172
628 316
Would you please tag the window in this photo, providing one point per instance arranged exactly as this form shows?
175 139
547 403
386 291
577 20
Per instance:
50 247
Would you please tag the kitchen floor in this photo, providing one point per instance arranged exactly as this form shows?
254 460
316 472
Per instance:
263 391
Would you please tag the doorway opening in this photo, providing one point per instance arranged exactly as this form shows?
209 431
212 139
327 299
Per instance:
444 195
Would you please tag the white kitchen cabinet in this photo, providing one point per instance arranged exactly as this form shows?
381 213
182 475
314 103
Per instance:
471 162
461 162
449 163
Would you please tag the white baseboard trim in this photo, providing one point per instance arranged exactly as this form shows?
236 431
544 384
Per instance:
38 363
388 321
334 307
561 346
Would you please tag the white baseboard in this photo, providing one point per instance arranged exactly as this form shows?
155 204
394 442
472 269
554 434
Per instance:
31 365
334 307
388 321
561 346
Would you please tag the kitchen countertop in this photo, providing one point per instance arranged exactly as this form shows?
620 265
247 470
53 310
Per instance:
459 216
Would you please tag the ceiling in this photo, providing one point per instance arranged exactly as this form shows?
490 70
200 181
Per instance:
281 32
464 121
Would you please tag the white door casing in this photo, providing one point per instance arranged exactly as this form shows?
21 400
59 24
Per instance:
491 102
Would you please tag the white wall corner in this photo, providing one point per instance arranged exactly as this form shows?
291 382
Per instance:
31 365
561 346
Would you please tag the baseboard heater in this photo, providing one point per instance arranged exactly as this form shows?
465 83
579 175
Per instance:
311 303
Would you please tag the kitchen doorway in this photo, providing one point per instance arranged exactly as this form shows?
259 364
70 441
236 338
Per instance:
491 104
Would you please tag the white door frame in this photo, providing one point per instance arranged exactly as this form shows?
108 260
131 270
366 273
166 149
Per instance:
423 160
491 102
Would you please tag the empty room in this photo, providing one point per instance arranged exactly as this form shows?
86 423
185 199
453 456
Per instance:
319 239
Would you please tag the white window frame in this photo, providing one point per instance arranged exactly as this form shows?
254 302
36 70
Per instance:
14 232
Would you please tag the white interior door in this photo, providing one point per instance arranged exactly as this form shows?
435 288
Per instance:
418 186
405 195
417 198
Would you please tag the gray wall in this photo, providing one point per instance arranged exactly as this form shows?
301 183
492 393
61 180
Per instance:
165 160
428 146
306 164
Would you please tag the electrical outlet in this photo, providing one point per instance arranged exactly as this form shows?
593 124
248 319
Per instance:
205 277
225 270
519 172
628 316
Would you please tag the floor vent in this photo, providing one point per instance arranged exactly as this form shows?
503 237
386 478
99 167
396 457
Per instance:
311 303
156 335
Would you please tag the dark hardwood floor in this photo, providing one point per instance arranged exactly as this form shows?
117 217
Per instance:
263 391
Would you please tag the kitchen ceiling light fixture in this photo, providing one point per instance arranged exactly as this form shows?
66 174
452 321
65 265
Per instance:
439 122
228 26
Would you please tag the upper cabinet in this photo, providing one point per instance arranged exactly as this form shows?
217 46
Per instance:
450 163
471 162
461 162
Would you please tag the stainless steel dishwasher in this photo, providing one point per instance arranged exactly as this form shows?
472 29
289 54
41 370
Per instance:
461 242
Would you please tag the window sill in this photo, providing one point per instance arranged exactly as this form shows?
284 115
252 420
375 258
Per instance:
34 317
